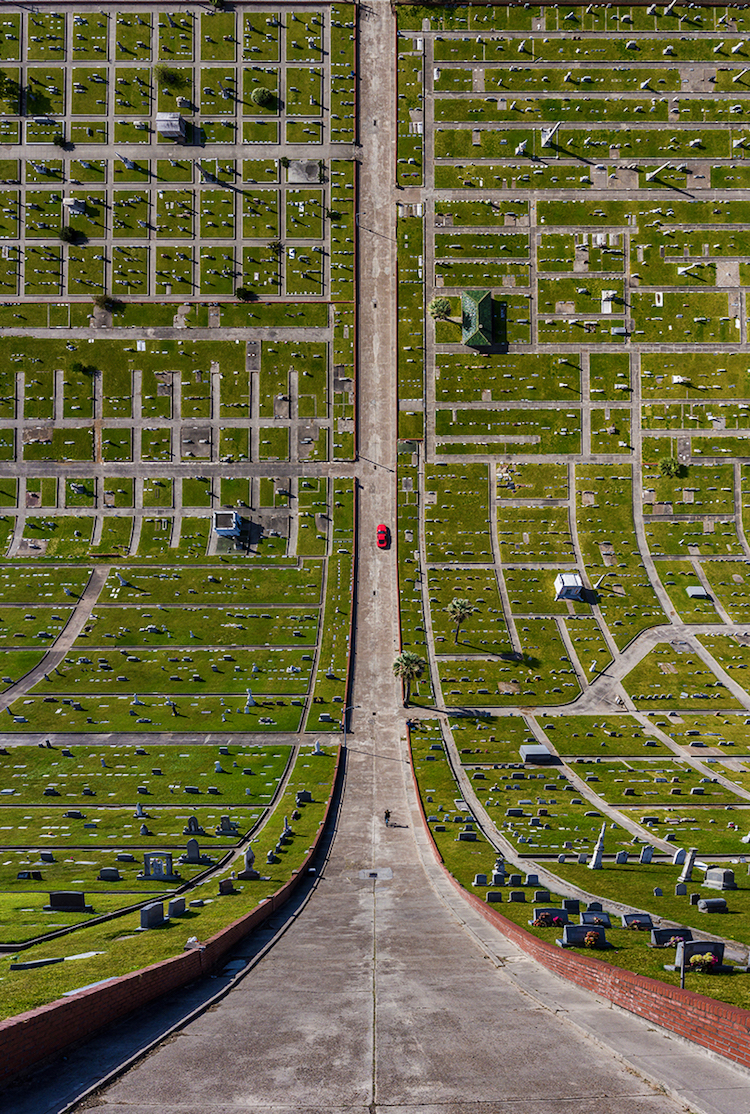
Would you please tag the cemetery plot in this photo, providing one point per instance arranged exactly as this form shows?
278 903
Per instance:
484 630
102 851
676 678
595 735
528 533
457 514
490 740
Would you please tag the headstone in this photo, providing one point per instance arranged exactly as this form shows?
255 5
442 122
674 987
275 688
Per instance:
594 907
582 858
152 915
621 858
29 876
125 857
687 870
662 936
712 905
224 751
176 907
144 830
532 880
227 826
217 768
689 948
109 874
193 827
694 899
157 866
717 878
574 936
541 896
271 857
304 796
480 880
46 857
679 857
193 854
494 896
561 858
640 921
646 854
317 750
68 901
249 873
226 887
560 915
572 906
680 889
516 895
515 880
598 917
596 858
658 891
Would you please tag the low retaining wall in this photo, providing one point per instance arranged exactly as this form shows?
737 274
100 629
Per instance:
30 1037
717 1026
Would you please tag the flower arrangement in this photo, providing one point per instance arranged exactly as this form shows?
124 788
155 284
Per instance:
673 941
639 926
546 920
591 940
704 964
600 921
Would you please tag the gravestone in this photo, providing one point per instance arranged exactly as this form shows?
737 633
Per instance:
226 887
68 901
193 853
594 907
641 921
718 878
694 899
157 867
532 880
271 857
193 827
658 891
227 827
494 896
574 936
304 796
46 857
480 880
152 915
686 874
541 896
712 905
110 874
249 873
680 889
679 857
176 906
572 906
582 858
144 830
516 895
621 858
561 858
662 936
125 857
646 854
515 880
29 876
598 917
689 948
561 915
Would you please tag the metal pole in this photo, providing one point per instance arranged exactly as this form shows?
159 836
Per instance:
682 967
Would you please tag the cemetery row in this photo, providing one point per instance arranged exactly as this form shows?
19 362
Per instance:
654 903
192 872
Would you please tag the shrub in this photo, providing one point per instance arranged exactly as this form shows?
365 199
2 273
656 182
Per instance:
262 96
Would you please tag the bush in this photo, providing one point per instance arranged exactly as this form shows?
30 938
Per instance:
69 235
173 79
245 294
262 96
440 309
670 467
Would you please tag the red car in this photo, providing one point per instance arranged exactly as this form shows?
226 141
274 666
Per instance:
383 536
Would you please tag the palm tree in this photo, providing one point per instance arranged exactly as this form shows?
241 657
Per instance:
459 610
408 666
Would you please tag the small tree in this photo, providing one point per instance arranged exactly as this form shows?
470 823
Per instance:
59 140
440 309
284 161
68 235
333 214
262 96
459 611
276 247
670 467
172 79
245 294
409 667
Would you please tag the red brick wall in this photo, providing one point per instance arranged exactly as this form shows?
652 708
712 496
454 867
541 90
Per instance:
32 1036
722 1028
